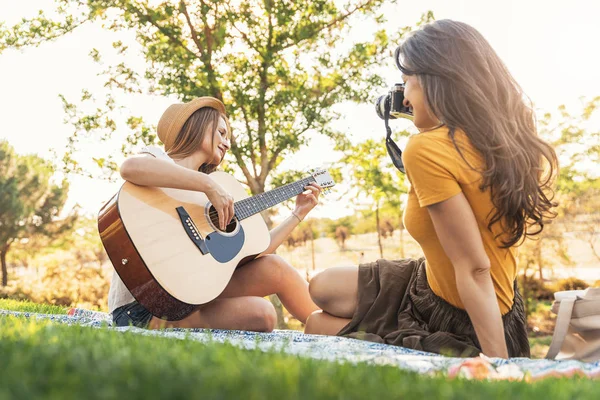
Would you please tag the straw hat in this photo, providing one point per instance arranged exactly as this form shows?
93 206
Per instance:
175 116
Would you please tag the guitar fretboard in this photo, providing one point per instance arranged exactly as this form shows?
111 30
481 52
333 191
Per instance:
252 205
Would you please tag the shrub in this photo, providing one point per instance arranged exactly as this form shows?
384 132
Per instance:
63 281
533 288
571 284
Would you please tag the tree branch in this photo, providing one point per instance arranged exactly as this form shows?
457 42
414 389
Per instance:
329 24
244 37
144 17
207 58
45 31
207 32
195 38
250 139
238 157
273 159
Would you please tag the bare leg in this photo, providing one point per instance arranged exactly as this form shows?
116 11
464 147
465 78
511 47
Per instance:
335 290
268 275
242 306
321 323
245 313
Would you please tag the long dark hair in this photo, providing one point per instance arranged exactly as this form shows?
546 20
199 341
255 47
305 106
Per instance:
467 86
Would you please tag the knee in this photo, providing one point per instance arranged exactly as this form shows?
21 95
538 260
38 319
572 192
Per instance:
318 289
264 317
316 324
312 323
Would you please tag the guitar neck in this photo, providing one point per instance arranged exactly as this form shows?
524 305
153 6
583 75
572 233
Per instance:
253 205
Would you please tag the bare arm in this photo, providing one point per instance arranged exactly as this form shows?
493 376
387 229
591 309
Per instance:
281 232
151 171
304 203
457 230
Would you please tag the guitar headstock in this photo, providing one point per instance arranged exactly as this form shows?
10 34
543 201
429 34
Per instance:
323 178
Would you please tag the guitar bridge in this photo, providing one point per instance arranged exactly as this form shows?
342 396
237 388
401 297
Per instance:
192 231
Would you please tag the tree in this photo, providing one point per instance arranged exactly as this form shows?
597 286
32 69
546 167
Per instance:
279 67
577 146
374 175
29 202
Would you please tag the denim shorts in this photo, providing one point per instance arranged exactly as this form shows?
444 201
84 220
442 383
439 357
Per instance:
132 314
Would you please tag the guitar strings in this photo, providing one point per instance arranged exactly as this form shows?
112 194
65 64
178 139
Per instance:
216 214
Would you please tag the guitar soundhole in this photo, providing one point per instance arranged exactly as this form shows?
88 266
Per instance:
214 219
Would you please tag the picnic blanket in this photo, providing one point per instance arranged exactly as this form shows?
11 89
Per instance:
339 349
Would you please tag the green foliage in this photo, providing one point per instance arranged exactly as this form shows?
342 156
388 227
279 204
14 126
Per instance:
577 188
65 282
29 202
576 144
372 171
374 176
69 268
571 284
279 67
83 362
534 289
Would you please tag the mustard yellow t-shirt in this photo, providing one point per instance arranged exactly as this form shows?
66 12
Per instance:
436 172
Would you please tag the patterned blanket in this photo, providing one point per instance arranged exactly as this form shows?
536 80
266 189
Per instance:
340 349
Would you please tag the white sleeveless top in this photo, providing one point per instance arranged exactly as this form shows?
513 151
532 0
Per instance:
119 295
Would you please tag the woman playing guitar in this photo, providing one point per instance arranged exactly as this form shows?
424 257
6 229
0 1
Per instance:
196 136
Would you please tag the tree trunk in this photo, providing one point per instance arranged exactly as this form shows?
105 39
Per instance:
378 230
281 324
3 253
267 217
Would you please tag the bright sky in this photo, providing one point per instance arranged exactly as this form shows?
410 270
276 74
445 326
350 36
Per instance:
549 46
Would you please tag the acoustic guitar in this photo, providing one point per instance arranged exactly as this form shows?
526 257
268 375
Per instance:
166 246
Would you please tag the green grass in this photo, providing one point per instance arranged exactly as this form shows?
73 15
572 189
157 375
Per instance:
15 305
44 360
539 346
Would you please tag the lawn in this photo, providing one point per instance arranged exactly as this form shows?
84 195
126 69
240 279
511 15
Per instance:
45 360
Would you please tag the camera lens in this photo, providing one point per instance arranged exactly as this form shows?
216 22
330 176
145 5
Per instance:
381 104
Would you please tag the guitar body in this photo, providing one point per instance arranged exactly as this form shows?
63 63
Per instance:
156 237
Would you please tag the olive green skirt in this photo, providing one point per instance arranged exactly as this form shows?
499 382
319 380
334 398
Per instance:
396 306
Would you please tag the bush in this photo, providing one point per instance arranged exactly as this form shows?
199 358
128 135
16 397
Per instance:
62 282
571 284
534 289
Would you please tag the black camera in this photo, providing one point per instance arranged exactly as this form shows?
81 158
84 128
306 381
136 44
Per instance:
393 104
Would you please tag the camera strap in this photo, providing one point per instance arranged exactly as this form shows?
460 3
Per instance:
392 148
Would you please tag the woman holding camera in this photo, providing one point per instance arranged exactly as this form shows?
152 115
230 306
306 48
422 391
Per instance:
480 184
